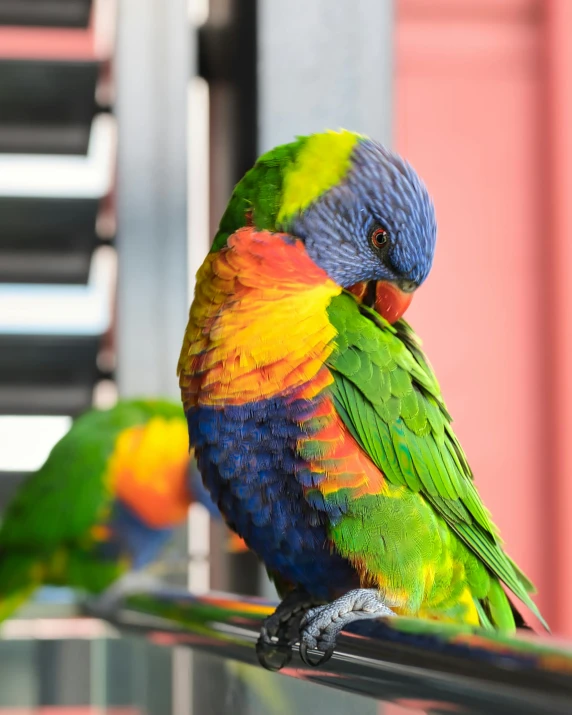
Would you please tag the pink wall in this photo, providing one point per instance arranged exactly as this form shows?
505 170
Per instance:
472 87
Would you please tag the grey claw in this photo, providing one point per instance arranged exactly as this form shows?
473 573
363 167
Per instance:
324 658
265 652
280 631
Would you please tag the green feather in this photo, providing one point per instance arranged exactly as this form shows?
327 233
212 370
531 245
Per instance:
499 606
390 401
260 192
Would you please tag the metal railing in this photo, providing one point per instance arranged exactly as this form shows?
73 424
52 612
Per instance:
439 668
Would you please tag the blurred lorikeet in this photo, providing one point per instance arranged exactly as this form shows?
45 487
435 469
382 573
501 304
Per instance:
318 424
106 501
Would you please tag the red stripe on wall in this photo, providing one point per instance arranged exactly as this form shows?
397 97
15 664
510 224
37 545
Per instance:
559 231
39 43
70 710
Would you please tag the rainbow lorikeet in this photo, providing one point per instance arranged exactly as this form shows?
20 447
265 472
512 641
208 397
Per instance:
318 424
106 501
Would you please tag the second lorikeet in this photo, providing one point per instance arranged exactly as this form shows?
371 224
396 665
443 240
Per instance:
319 426
105 502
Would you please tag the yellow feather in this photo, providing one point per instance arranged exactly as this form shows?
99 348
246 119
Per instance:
322 162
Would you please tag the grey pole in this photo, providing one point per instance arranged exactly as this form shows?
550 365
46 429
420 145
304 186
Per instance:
152 74
324 65
152 69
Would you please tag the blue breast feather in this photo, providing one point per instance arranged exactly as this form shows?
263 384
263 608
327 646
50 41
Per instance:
247 457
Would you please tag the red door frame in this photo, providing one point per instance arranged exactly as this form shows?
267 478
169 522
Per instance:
558 23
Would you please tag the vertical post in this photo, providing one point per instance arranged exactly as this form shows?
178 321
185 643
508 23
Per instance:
324 65
559 316
152 68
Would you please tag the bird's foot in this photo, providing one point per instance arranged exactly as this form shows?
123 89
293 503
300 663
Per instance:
319 628
281 630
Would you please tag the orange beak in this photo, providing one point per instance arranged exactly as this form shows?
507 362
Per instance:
390 301
385 298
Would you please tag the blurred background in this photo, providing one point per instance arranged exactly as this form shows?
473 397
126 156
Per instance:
124 125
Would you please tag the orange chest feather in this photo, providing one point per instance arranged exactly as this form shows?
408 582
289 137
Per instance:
148 471
258 325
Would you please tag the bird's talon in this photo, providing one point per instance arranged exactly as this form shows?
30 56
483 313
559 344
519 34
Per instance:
323 658
266 652
280 631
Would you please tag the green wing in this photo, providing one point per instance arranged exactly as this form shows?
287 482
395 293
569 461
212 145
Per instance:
388 397
65 498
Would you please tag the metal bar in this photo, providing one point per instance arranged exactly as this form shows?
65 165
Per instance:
152 68
442 668
324 65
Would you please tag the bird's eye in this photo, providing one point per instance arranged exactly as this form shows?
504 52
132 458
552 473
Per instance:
378 237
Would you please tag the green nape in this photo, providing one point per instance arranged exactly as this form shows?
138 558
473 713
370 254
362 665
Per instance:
285 180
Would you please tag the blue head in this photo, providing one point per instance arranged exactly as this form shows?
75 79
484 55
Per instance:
373 222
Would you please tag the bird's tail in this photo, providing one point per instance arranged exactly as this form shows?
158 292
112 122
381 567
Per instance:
497 611
20 575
